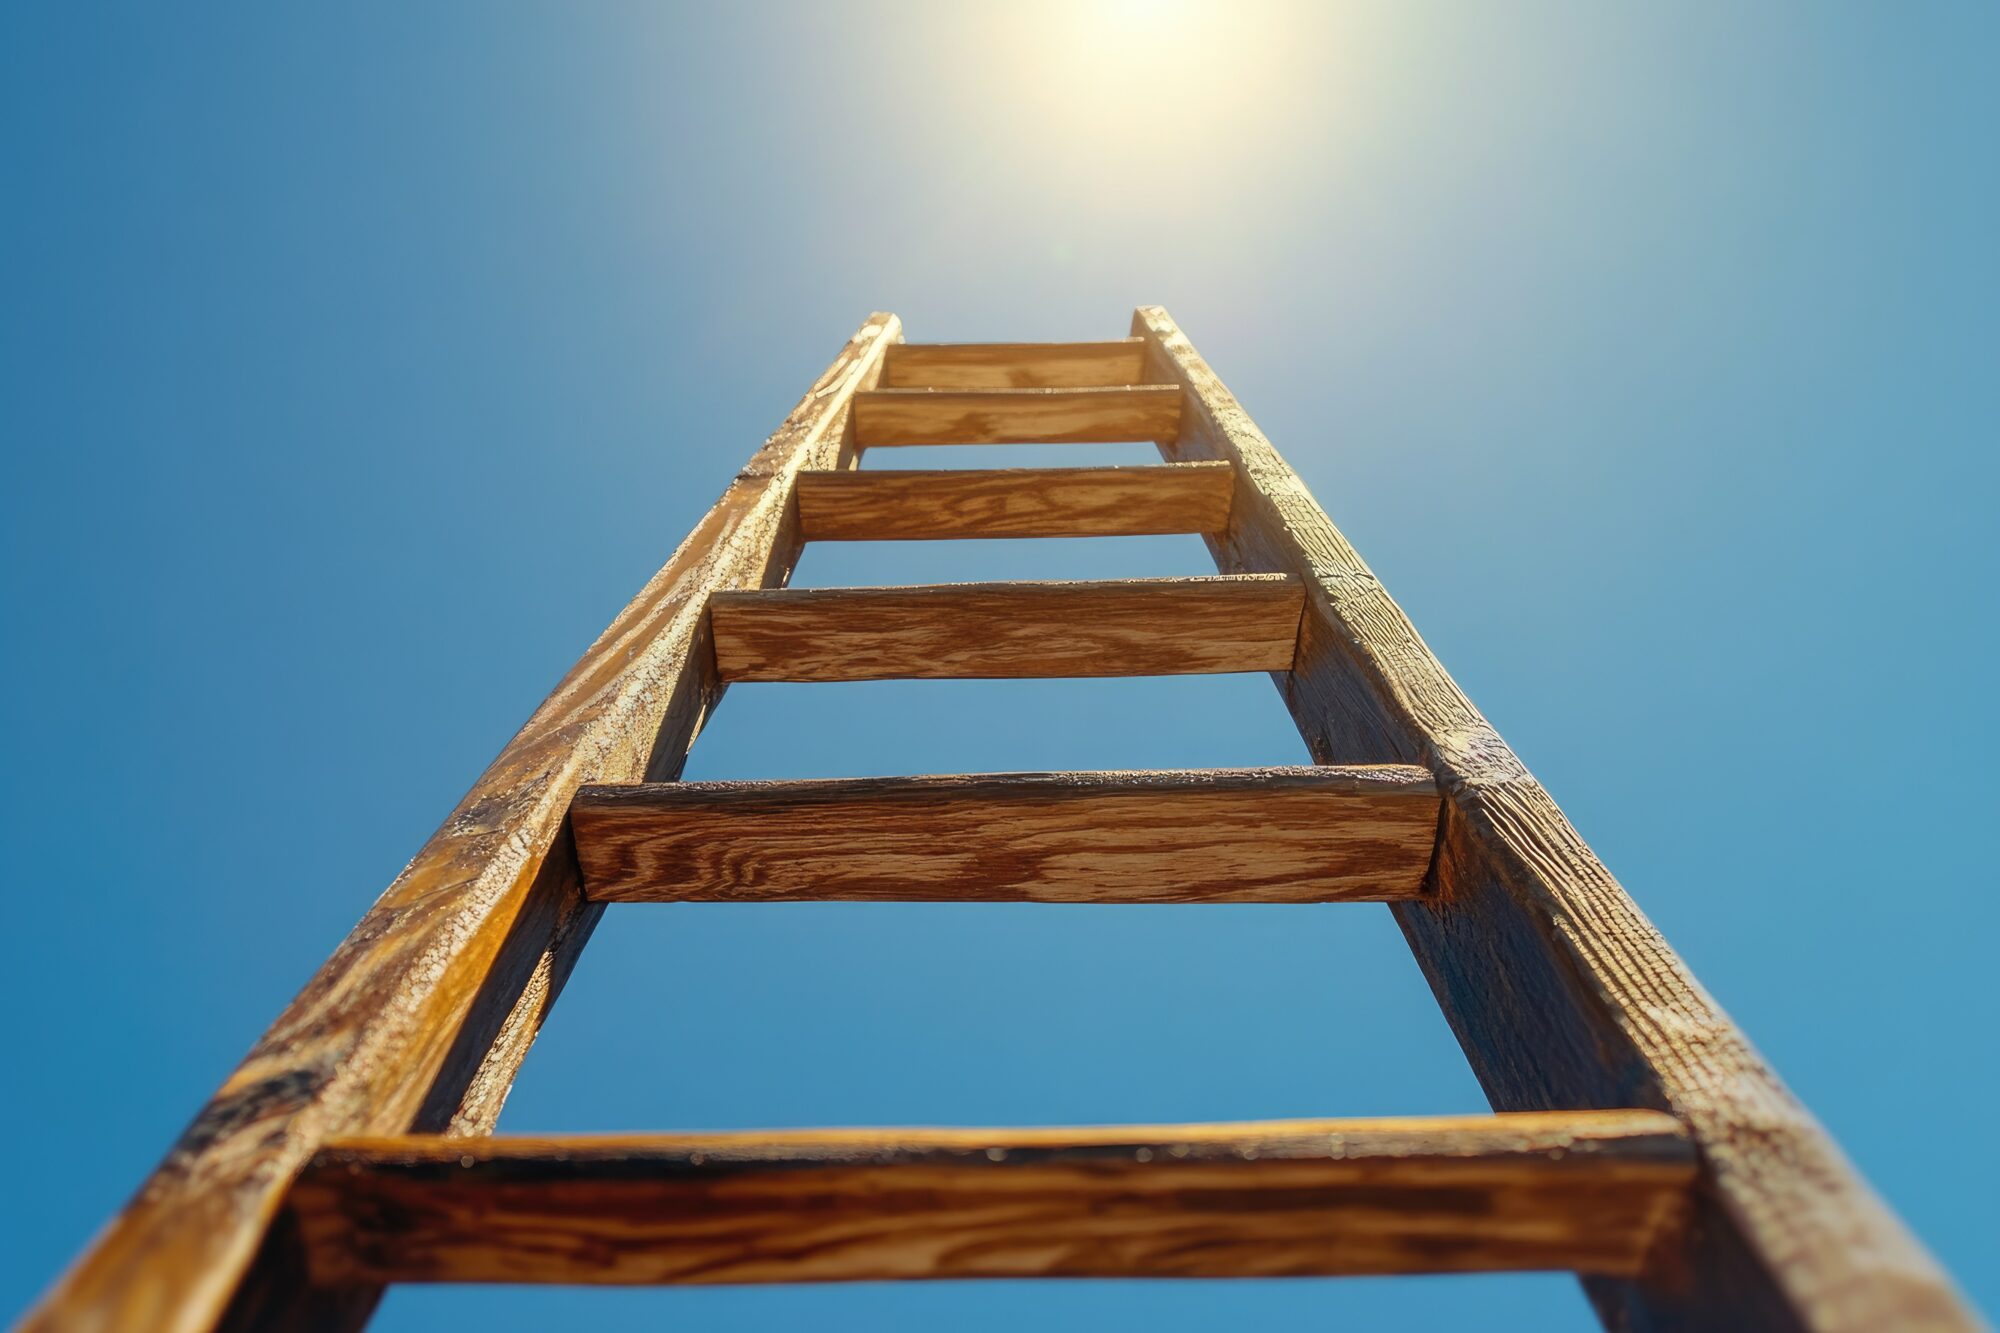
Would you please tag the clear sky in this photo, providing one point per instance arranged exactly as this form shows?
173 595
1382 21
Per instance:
357 363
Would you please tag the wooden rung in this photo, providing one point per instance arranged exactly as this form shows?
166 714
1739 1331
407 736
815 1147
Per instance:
1013 365
1017 416
1586 1191
1127 627
1243 835
1015 502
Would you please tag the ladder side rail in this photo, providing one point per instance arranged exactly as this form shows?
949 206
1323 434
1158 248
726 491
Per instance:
421 1016
1561 992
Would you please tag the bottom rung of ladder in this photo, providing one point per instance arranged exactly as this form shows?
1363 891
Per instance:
1588 1191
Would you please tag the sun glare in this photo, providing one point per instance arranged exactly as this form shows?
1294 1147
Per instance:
1093 91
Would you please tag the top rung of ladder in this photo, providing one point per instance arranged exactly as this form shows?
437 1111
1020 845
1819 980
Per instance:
1085 365
1015 393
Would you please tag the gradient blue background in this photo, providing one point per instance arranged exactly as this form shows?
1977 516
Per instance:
360 362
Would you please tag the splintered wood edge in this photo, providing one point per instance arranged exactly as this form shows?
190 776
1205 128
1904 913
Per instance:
1360 779
1272 584
1636 1135
1589 1190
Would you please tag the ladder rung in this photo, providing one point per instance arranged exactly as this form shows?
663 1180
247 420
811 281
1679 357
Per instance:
1012 365
1586 1191
1248 835
1017 416
1126 627
1015 502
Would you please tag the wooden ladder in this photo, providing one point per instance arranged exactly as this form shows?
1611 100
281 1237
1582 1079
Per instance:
1638 1139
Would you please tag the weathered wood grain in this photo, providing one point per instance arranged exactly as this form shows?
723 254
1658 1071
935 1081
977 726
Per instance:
1014 502
419 1018
1127 627
884 417
1560 990
1243 835
1012 365
1589 1191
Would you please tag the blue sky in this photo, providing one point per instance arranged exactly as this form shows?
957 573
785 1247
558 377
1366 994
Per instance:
356 364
